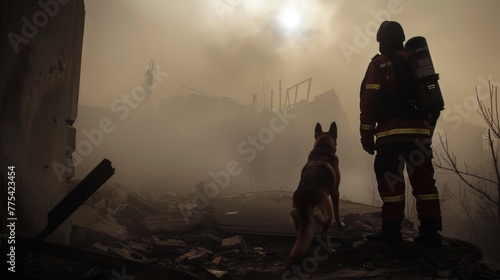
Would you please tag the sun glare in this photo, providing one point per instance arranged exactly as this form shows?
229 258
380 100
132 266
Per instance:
290 18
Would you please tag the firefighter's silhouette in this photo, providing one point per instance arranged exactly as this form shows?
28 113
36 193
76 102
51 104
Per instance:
398 127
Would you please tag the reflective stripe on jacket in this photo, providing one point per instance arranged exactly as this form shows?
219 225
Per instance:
380 78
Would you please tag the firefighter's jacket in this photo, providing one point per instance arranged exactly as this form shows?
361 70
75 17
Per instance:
381 115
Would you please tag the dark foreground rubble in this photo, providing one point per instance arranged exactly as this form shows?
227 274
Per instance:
262 257
125 234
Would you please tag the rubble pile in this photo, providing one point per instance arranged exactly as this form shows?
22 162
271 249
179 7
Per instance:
146 227
373 260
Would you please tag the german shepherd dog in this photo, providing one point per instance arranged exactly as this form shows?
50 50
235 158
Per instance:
312 210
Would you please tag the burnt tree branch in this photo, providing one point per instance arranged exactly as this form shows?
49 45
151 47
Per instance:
452 165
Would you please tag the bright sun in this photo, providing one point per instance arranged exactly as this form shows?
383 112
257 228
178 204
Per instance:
290 18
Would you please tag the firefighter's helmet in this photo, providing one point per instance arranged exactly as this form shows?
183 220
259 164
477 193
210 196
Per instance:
390 32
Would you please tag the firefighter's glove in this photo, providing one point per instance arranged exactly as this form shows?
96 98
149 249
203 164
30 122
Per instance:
368 145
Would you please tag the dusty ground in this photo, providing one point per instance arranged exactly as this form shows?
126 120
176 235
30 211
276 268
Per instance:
124 234
266 258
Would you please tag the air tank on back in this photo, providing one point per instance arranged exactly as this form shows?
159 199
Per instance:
420 60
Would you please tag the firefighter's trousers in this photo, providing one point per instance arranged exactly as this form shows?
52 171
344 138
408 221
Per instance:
416 157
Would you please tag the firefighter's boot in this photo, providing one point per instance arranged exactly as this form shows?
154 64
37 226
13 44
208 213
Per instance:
428 232
390 234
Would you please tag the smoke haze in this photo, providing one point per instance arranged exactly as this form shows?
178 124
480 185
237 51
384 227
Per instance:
231 53
238 49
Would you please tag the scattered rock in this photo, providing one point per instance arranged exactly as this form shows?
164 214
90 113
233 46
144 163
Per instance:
139 201
235 242
218 274
107 228
130 212
196 256
142 247
165 224
121 250
115 216
359 227
102 205
162 244
209 241
118 197
370 220
218 260
98 247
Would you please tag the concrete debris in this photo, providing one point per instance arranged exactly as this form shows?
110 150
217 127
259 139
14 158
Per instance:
218 274
358 226
147 228
121 250
218 260
208 241
98 247
108 228
162 244
104 192
119 197
102 205
159 224
196 256
130 212
235 242
365 219
139 201
143 248
165 202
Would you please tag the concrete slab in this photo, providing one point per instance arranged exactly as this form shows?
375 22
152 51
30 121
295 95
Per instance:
268 213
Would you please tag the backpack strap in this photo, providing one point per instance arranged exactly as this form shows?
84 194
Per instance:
405 102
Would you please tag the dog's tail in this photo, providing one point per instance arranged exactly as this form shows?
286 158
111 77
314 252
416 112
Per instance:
305 232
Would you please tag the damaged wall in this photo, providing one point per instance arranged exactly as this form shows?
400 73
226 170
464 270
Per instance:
40 53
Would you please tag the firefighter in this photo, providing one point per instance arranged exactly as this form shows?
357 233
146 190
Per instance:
395 126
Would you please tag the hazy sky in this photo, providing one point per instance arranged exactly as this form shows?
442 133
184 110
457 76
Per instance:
232 47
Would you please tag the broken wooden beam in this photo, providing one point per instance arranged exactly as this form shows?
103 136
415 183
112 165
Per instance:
76 197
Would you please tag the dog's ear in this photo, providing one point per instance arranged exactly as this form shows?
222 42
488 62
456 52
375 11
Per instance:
333 129
317 130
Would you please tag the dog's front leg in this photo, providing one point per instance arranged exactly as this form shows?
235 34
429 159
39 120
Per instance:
335 201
